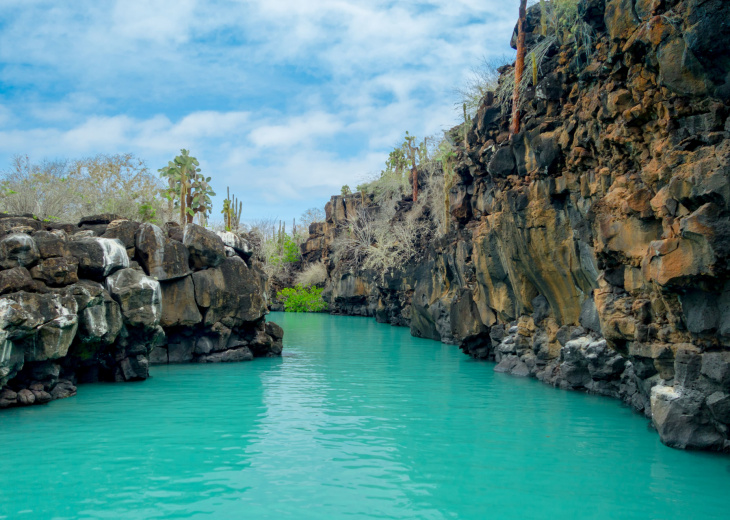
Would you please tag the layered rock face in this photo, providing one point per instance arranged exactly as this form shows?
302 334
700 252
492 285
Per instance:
591 249
104 299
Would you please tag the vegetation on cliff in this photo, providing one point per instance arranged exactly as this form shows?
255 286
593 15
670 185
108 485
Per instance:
588 249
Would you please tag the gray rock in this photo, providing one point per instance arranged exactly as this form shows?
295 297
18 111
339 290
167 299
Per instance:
123 230
26 397
236 242
205 247
679 420
139 297
507 364
18 250
51 244
178 303
603 363
716 366
540 308
14 280
589 315
274 330
98 257
57 271
63 389
232 290
158 356
719 405
181 351
161 257
229 356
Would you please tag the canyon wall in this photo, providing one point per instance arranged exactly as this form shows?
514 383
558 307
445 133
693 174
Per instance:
590 250
105 299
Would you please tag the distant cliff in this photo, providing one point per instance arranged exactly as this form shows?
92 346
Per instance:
591 249
104 299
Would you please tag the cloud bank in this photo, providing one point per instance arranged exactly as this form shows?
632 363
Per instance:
283 101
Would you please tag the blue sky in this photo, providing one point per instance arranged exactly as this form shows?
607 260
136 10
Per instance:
283 101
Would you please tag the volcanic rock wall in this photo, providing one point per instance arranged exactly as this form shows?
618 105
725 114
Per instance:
591 249
105 299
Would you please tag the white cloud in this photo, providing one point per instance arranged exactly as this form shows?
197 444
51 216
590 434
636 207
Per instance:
284 100
297 130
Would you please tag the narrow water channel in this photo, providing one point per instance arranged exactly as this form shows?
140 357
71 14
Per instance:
357 421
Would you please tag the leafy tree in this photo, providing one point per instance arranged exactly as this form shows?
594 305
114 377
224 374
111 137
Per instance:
346 190
189 189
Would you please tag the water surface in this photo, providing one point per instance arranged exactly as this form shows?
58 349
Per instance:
357 421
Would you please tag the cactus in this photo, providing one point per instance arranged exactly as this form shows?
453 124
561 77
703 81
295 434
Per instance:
188 186
412 150
232 208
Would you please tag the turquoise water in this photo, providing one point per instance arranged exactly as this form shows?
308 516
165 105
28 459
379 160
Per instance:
358 420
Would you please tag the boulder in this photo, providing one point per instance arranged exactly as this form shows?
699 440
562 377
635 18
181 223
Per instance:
100 319
98 257
678 417
180 349
51 243
26 397
139 297
95 220
236 242
14 280
18 250
158 356
229 356
56 271
123 230
179 308
40 325
232 290
63 389
133 368
161 257
9 223
205 247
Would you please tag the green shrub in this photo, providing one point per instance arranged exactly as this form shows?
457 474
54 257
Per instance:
302 299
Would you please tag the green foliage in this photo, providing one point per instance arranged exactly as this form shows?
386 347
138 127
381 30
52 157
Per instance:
147 212
290 250
302 299
346 190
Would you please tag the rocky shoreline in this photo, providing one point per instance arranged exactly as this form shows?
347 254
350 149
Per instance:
591 249
106 298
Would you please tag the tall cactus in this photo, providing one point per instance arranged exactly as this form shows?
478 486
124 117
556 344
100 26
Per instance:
412 157
188 185
232 209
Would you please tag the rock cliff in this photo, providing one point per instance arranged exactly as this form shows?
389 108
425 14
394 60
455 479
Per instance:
104 299
591 249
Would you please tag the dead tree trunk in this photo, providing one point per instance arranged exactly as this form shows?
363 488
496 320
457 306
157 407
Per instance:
519 69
